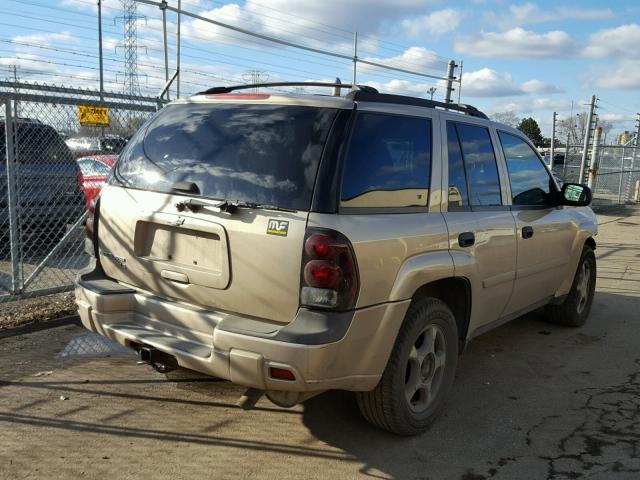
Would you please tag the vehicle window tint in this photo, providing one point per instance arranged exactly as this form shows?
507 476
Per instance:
265 154
480 165
530 180
93 168
388 163
458 196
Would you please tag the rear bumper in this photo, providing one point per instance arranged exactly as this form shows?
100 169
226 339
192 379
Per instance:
324 350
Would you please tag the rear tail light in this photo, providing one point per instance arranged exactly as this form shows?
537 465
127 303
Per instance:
92 222
329 273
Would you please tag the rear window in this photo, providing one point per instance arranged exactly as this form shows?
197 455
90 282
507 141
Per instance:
266 154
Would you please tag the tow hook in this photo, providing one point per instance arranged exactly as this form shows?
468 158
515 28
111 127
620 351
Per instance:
160 361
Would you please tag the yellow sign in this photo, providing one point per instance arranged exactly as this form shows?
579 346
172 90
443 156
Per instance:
93 116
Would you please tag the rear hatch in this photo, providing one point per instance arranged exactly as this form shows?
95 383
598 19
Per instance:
208 204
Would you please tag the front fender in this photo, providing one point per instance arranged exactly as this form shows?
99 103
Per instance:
587 227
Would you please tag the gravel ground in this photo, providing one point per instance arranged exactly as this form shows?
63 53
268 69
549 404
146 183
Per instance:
36 310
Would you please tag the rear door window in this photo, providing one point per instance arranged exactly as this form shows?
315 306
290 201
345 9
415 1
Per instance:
388 162
480 166
265 154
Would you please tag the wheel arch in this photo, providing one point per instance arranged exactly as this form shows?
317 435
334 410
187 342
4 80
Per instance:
455 292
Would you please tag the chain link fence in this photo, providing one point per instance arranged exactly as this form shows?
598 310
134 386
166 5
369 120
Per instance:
57 146
618 172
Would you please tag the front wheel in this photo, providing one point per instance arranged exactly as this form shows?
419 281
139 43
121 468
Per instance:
419 373
575 308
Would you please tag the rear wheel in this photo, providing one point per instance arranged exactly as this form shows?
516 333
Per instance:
574 310
419 373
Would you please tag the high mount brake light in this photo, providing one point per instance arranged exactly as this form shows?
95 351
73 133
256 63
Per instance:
330 277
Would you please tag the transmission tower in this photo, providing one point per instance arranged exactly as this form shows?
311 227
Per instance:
129 20
254 77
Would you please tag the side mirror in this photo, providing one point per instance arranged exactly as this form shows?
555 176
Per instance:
575 195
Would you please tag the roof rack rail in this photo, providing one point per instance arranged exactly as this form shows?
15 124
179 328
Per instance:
216 90
368 96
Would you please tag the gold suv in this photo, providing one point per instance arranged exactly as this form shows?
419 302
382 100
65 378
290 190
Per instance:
299 243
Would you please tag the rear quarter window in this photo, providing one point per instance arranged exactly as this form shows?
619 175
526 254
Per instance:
388 162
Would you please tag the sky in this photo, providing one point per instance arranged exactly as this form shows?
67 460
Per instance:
529 58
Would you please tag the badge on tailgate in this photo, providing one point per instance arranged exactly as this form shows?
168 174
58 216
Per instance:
278 227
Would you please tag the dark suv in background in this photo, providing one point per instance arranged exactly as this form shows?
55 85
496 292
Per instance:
48 186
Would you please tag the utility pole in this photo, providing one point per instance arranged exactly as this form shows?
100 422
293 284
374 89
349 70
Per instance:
553 139
355 56
431 91
450 79
593 169
587 137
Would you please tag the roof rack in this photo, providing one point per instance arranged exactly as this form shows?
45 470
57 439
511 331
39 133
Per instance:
216 90
366 96
363 93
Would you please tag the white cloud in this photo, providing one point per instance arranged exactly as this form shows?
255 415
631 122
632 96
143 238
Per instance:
622 41
536 86
436 23
486 82
616 117
303 21
45 39
625 76
530 13
517 43
489 83
413 58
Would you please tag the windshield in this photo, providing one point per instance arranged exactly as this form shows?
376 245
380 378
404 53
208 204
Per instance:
266 154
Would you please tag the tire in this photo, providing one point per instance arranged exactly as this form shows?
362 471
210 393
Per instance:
415 362
575 308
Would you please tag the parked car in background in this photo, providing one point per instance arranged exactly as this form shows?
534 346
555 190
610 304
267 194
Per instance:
105 145
95 170
48 188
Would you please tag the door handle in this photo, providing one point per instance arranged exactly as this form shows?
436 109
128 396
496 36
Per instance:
466 239
527 232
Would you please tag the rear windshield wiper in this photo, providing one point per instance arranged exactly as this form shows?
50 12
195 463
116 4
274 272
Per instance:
225 206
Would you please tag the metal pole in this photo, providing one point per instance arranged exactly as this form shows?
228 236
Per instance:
621 176
593 170
460 82
178 51
12 199
355 56
553 139
100 47
15 79
587 137
633 159
450 78
163 7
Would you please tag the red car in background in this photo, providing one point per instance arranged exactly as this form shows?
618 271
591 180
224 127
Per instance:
95 169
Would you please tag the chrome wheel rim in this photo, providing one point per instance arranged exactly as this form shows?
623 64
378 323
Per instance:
425 368
583 286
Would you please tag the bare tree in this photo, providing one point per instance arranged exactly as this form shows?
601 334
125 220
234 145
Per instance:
572 128
508 118
606 126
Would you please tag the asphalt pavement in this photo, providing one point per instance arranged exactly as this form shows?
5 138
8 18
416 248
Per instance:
531 401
